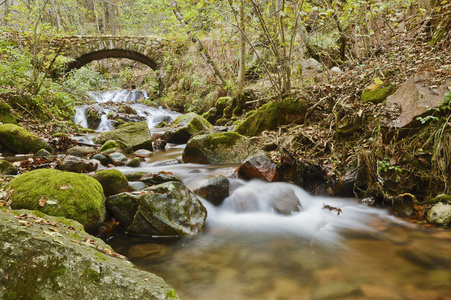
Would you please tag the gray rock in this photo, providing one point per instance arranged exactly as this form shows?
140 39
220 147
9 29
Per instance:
78 165
219 148
137 185
101 158
81 151
117 158
214 189
439 214
39 263
159 178
168 209
185 127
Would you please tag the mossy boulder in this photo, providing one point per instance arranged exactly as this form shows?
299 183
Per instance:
439 214
378 94
168 209
62 194
136 135
185 127
112 181
42 264
6 117
272 115
219 148
7 168
21 141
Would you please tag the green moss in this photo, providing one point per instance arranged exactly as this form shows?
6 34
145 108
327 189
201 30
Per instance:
108 145
7 168
225 139
378 95
91 275
59 134
112 181
5 114
19 140
171 294
271 115
69 195
100 256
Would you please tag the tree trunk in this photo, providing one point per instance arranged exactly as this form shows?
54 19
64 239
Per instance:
200 47
240 83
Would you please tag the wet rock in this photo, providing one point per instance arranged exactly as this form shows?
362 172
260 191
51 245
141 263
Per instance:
42 153
136 135
81 151
134 163
415 97
158 178
113 181
219 148
6 117
137 185
117 158
57 193
245 201
93 117
167 209
285 202
214 189
113 145
7 168
160 144
101 158
43 264
185 127
19 140
136 176
259 166
272 115
439 214
78 165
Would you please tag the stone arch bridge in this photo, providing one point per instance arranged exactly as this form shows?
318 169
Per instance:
85 49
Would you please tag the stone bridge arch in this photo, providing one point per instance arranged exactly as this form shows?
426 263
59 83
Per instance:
85 49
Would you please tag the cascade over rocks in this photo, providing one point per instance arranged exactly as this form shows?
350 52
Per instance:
19 140
272 115
67 264
414 98
219 148
62 194
168 209
185 127
136 135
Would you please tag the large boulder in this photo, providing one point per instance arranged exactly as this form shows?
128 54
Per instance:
112 180
272 115
6 117
46 257
219 148
19 140
185 127
415 98
62 194
136 135
168 209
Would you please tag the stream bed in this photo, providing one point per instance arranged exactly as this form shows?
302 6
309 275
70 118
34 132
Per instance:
359 253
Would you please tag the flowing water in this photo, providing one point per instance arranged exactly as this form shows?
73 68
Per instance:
361 253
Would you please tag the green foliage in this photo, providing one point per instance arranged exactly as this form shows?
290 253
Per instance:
85 79
385 166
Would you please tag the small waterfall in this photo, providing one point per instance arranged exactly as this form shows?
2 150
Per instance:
105 102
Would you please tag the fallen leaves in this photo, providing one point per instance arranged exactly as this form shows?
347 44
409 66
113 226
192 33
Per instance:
42 201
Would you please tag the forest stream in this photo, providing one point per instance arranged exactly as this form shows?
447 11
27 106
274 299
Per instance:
333 249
